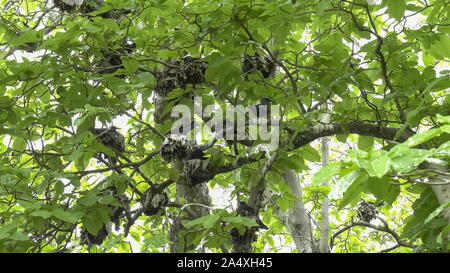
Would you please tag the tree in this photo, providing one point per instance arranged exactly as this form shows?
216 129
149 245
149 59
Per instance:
90 161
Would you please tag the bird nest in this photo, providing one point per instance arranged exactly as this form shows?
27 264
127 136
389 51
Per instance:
157 203
175 146
187 158
111 138
112 59
116 213
87 238
179 74
366 211
255 63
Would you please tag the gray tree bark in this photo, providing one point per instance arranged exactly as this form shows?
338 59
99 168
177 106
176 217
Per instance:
297 219
323 244
442 191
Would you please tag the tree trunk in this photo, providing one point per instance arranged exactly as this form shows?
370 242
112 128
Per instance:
323 244
297 220
192 195
442 191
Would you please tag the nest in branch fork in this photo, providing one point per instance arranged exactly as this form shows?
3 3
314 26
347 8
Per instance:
187 158
112 58
179 74
366 211
175 146
116 213
254 63
157 203
87 238
111 138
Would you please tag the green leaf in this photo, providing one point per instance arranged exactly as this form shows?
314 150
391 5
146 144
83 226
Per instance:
19 144
92 224
310 154
101 212
207 220
27 37
41 213
423 137
210 220
130 64
396 9
365 142
442 235
248 222
90 199
343 183
353 194
443 119
322 5
405 164
59 188
382 189
218 66
267 215
342 137
143 79
107 199
6 229
364 81
437 211
283 203
379 166
326 173
64 215
19 236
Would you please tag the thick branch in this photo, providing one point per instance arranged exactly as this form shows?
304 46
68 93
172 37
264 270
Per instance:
383 228
354 127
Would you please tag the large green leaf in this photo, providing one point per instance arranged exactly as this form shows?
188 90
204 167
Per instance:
326 173
396 9
344 182
383 189
437 211
64 215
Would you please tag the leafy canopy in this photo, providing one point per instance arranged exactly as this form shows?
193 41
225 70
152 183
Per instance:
377 69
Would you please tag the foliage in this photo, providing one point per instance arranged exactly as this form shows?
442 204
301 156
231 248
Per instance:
377 69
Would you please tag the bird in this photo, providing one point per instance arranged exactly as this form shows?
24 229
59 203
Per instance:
245 210
111 138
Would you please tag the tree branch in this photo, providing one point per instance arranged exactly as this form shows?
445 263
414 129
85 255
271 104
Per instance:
353 127
383 228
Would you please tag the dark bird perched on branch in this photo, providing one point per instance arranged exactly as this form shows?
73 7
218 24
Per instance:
245 210
175 146
111 138
186 157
